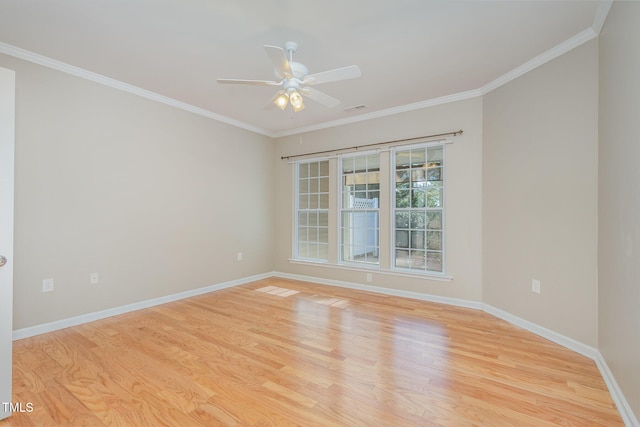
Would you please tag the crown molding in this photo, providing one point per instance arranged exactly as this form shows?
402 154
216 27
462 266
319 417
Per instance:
541 59
125 87
604 6
564 47
383 113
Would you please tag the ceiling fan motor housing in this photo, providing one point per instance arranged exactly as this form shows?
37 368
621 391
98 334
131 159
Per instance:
298 70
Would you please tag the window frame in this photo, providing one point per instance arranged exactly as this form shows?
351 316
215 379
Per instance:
386 215
297 209
393 208
341 210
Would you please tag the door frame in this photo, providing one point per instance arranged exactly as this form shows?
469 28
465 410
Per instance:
7 159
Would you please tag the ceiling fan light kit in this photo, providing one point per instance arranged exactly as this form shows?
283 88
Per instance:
296 81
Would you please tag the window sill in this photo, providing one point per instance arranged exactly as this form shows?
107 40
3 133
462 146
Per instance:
395 273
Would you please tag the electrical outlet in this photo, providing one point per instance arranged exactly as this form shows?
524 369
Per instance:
535 286
239 256
369 277
93 278
47 285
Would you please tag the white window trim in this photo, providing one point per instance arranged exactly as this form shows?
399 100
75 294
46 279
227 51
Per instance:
339 186
392 270
296 206
392 207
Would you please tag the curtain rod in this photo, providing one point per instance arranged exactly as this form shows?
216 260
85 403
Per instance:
357 147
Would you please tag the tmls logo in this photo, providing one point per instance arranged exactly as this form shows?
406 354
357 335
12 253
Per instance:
17 407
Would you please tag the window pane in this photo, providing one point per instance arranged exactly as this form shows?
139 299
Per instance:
324 201
402 160
313 251
314 201
434 174
418 260
312 217
303 186
434 220
323 219
402 198
434 261
324 185
402 219
347 199
434 240
418 158
323 251
434 196
348 165
402 258
402 176
303 201
402 239
417 240
373 178
303 250
418 198
418 175
419 188
323 235
418 219
313 234
303 170
303 218
435 156
373 162
314 185
324 168
360 231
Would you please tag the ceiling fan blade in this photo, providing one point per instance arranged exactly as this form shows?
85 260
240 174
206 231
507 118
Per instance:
248 82
279 59
320 97
350 72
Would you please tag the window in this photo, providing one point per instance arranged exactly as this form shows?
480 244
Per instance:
418 209
387 210
359 219
312 208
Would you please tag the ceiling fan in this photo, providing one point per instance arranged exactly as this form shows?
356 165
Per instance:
296 81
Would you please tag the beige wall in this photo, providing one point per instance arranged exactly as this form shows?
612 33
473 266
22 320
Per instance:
463 181
619 201
155 199
539 195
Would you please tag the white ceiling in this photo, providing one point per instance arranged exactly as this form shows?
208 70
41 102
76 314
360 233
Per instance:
411 52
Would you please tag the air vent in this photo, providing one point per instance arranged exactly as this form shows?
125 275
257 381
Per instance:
354 108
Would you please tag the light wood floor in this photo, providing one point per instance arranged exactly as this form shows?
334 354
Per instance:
287 353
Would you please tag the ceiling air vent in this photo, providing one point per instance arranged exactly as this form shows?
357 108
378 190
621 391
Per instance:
354 108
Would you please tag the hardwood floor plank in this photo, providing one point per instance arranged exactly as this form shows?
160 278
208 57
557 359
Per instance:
279 352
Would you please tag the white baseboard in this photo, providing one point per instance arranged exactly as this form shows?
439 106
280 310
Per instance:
570 343
591 352
90 317
381 290
626 413
616 394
